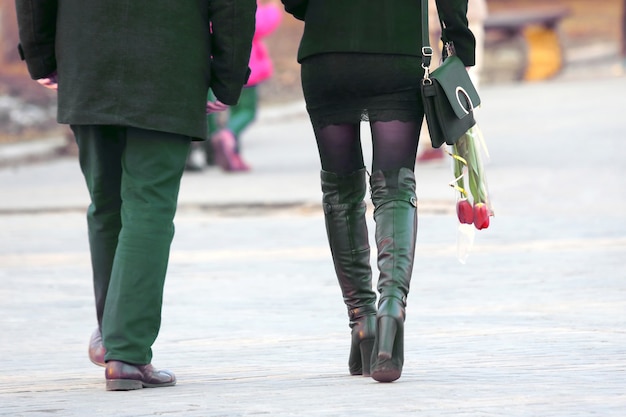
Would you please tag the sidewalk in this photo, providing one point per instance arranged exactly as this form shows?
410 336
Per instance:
583 63
253 323
280 147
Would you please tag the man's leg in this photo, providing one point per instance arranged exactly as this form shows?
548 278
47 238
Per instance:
152 167
100 150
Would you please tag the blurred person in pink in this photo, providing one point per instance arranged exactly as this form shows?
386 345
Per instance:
226 128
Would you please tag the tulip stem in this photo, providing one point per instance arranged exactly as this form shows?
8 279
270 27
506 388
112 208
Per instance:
466 155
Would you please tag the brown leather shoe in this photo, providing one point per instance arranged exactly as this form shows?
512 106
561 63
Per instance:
96 348
122 376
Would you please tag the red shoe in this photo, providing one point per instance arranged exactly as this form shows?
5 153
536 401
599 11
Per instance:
224 149
432 154
239 164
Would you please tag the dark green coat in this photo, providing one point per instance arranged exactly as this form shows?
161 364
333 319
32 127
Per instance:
377 26
141 63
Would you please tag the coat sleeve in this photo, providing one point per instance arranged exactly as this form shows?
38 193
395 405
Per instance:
297 8
36 21
232 29
453 14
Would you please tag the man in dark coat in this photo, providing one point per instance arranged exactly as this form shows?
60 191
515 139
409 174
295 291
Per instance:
132 80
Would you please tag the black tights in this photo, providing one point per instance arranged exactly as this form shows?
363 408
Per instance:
394 146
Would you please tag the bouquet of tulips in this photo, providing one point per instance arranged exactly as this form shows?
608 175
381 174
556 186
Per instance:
473 205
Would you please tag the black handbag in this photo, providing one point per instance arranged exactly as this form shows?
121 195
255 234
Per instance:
448 94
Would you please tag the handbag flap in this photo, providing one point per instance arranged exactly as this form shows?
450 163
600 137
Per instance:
457 85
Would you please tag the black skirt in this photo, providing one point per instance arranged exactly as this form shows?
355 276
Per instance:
342 88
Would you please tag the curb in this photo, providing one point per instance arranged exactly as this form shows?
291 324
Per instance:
243 209
31 151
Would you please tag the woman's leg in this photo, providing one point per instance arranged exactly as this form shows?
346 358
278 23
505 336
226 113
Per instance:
394 144
395 213
339 147
344 188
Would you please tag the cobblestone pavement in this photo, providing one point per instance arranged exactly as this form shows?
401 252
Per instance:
532 325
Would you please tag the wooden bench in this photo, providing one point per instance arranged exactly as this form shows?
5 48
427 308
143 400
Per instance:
536 33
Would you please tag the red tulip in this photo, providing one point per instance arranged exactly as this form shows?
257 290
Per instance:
464 211
481 216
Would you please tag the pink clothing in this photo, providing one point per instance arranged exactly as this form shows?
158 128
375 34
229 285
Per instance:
268 17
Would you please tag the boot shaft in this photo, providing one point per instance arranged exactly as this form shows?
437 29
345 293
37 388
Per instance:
343 190
393 185
346 227
395 214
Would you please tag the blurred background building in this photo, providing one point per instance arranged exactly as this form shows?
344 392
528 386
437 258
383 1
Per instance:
592 28
26 109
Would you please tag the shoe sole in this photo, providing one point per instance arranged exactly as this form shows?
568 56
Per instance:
123 384
132 384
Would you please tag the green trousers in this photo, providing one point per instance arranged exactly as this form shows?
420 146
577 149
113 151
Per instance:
133 177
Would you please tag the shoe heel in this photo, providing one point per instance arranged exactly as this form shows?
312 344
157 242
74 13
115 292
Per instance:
123 384
366 346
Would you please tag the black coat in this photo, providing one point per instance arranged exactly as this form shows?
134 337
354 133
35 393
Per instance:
140 63
377 26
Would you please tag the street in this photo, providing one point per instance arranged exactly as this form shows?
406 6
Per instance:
533 324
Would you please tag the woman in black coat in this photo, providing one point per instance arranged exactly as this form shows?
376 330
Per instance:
361 60
133 78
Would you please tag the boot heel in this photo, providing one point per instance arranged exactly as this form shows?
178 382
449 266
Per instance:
387 360
363 334
366 346
387 328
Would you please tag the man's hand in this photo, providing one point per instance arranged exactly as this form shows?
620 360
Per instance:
51 81
215 106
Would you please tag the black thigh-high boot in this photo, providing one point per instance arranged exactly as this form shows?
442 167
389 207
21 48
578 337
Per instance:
395 214
344 213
